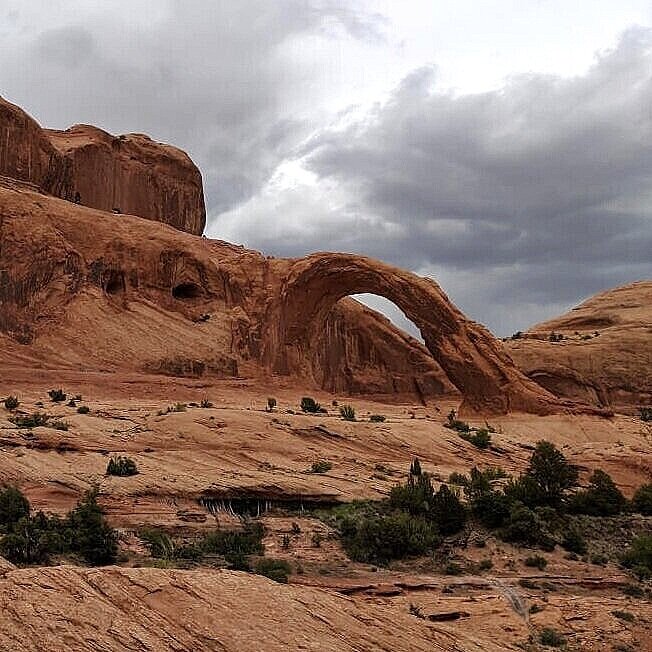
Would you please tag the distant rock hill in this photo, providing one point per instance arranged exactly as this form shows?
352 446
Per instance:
127 174
600 352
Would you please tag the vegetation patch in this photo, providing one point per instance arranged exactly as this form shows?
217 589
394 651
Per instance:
121 466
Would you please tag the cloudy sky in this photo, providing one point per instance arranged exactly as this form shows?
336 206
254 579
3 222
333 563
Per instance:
502 147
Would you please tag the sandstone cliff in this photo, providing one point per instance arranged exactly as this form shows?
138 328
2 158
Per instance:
131 173
604 354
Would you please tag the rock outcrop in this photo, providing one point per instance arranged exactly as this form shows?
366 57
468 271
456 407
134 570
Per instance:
600 352
87 289
150 609
127 174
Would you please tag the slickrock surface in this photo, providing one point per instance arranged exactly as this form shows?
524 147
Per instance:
129 173
51 609
605 356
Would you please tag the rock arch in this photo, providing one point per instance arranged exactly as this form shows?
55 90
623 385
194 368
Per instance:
471 357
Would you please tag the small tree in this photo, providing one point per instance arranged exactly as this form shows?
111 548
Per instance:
13 506
447 511
642 500
552 473
602 498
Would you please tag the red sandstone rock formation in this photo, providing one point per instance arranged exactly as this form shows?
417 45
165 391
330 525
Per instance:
87 289
130 173
605 354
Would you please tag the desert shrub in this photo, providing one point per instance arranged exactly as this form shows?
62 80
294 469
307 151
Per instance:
601 498
57 395
89 533
479 438
275 569
624 615
447 511
642 500
13 506
377 418
83 409
205 403
11 402
646 413
492 509
526 526
295 528
415 496
59 425
573 541
316 539
377 539
234 543
121 466
598 559
485 564
159 543
551 638
32 540
638 557
308 404
536 561
271 404
454 423
453 568
347 413
31 420
321 466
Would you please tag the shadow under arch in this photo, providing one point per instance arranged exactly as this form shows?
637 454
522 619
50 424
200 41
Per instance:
471 357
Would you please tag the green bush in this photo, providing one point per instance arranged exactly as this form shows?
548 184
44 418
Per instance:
13 506
479 438
550 638
90 534
415 496
574 541
83 409
121 466
32 540
30 421
275 569
642 500
11 402
601 498
646 413
159 543
321 466
271 404
57 395
536 561
58 425
377 418
380 538
233 544
347 413
527 526
624 615
447 511
308 404
638 557
205 403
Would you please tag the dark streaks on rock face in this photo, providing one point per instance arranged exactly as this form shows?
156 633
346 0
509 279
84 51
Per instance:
122 174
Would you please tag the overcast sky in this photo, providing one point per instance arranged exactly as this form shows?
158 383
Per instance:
502 147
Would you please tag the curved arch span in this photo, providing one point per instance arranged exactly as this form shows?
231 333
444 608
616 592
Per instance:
471 357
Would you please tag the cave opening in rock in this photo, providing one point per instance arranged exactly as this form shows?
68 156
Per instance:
186 291
115 283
